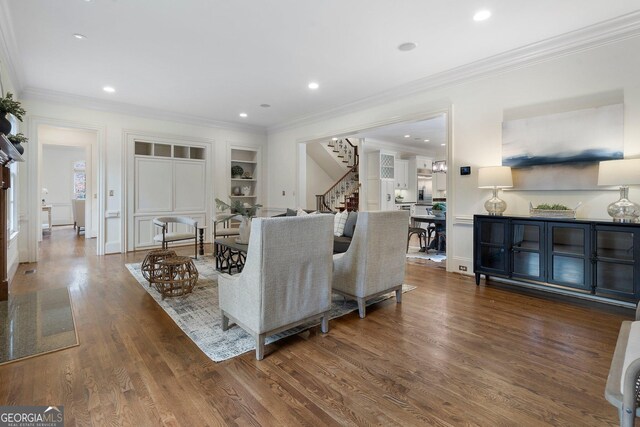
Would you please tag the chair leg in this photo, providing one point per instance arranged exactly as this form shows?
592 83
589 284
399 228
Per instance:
398 296
260 347
362 308
324 326
225 322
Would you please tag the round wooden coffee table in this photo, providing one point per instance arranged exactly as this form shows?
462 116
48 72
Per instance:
150 267
177 276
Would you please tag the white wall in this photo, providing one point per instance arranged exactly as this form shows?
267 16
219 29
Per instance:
477 113
57 178
112 128
318 181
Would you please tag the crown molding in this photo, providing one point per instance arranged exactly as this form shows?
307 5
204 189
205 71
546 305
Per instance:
593 36
45 95
9 48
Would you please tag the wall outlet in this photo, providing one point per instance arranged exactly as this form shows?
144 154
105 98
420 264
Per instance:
462 267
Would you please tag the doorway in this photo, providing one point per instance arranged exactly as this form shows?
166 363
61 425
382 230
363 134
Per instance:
62 150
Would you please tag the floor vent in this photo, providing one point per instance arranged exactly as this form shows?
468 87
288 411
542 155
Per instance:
29 271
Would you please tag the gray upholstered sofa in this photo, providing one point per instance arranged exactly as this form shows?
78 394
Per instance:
340 243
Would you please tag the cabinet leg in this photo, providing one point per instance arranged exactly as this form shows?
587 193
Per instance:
477 279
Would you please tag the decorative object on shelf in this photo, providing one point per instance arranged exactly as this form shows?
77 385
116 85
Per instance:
247 175
553 211
495 177
439 209
246 190
236 171
44 193
17 140
237 191
439 166
623 173
242 212
9 106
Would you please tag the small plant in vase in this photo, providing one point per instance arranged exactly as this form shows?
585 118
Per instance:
242 211
439 209
8 105
17 140
236 171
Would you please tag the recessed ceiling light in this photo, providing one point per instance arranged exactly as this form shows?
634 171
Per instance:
406 47
426 140
243 115
313 85
79 36
442 145
334 139
407 136
108 89
481 15
265 105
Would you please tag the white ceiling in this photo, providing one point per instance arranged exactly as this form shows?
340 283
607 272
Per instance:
213 59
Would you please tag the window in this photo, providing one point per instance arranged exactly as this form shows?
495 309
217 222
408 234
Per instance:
12 192
79 180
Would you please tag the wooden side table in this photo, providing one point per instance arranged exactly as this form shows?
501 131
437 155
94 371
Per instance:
151 265
178 275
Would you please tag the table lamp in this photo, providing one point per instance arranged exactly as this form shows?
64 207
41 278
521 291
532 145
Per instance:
495 177
623 173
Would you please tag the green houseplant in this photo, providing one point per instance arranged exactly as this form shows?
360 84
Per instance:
8 105
242 211
236 171
439 209
17 140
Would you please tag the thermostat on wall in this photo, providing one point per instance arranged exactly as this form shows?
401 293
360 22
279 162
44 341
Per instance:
465 170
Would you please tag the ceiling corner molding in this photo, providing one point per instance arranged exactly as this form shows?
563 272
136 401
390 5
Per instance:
603 33
9 48
54 97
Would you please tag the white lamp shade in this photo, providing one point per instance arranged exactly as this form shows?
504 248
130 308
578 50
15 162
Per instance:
619 172
495 177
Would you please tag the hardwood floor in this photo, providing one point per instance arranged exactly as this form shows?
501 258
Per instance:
450 354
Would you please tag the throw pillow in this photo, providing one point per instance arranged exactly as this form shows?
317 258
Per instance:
301 212
338 223
291 212
350 225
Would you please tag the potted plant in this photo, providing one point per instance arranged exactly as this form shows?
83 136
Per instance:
9 106
236 171
439 209
17 140
242 211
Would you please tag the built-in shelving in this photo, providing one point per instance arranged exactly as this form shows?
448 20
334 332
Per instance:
248 160
155 149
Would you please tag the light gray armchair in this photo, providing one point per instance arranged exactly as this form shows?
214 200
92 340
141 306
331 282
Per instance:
374 264
286 279
624 374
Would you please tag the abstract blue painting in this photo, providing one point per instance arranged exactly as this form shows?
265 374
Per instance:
581 136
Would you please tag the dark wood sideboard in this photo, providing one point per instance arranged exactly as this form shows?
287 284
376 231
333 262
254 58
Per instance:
8 155
582 256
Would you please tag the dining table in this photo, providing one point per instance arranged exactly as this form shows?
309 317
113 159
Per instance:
440 225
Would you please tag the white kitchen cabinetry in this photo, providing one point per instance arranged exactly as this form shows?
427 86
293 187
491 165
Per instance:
440 182
401 173
380 181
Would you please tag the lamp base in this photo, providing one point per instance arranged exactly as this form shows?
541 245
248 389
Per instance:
495 205
624 210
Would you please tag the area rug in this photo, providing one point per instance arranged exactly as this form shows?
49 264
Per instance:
423 255
198 314
36 323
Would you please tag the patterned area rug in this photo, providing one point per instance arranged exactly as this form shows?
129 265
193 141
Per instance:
423 255
198 314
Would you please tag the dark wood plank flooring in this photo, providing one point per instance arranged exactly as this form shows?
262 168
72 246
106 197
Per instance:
450 354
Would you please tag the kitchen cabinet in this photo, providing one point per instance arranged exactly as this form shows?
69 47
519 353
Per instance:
401 174
577 256
380 181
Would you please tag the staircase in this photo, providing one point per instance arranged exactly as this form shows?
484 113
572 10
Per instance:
344 194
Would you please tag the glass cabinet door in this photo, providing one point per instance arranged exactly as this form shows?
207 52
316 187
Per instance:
568 255
491 246
527 240
615 269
